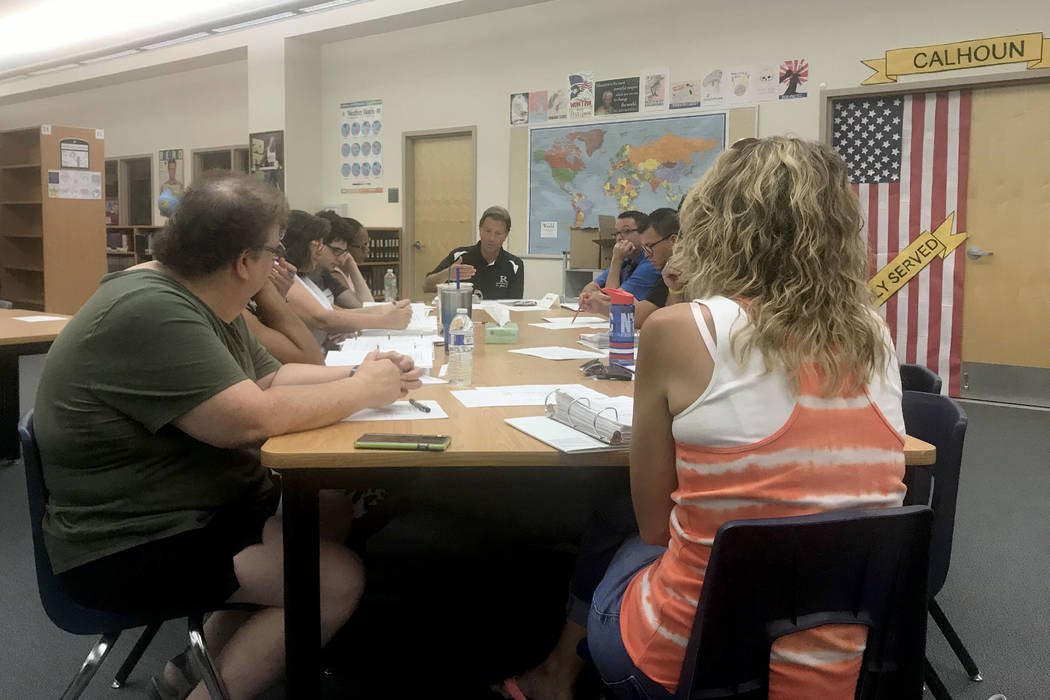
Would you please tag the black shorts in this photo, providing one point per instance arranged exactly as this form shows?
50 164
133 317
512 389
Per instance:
188 571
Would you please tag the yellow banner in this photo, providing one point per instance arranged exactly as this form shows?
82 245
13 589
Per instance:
1032 49
916 256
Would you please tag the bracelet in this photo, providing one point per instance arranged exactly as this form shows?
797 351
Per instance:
675 292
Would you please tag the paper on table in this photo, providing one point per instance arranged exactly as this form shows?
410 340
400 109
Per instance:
564 326
39 318
399 410
558 435
429 379
556 352
622 406
571 306
354 350
567 320
421 323
520 395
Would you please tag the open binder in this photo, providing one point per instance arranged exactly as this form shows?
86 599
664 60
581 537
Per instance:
610 424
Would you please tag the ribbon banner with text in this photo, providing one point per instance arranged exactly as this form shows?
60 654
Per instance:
916 256
1032 49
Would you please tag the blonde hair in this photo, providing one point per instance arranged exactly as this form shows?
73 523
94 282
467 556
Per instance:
775 224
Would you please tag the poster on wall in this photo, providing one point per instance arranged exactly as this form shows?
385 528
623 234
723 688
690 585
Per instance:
537 106
267 157
713 88
171 179
741 87
685 94
557 104
74 184
766 83
619 96
581 95
655 88
519 108
794 76
361 147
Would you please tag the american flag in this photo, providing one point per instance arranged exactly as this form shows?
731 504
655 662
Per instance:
908 158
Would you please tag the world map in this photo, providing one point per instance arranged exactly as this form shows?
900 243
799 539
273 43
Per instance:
578 172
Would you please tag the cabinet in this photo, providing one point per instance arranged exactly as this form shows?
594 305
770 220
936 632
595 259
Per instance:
384 252
50 256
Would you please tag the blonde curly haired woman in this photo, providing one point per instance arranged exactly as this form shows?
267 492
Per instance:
774 393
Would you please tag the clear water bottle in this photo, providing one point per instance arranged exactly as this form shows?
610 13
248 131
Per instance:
390 285
461 349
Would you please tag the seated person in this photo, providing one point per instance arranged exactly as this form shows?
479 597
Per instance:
492 270
273 322
630 269
349 243
151 406
313 300
657 243
750 402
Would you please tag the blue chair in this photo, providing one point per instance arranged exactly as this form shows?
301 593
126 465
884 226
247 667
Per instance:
767 578
940 421
76 619
919 378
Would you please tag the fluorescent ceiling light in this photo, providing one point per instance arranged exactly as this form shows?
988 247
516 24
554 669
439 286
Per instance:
327 5
12 78
119 54
172 42
253 22
52 69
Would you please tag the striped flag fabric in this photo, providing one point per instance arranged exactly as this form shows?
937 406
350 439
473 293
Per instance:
908 159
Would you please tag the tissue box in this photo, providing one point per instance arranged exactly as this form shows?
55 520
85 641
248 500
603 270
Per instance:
501 335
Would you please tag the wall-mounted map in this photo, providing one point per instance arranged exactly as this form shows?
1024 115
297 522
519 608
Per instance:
578 172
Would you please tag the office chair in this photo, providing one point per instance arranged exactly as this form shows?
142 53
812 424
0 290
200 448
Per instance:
68 615
919 378
941 422
770 577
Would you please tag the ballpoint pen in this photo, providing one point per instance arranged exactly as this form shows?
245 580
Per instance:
420 405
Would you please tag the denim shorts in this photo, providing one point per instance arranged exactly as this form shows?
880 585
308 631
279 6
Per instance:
604 640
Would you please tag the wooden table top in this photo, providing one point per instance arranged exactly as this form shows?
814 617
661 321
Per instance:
480 437
15 332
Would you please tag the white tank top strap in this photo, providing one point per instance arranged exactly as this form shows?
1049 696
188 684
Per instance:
701 325
315 291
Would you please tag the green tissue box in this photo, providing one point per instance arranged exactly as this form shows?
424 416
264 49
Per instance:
501 335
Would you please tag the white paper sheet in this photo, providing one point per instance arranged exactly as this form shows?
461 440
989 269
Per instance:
571 306
564 326
557 352
567 320
428 379
353 351
39 318
558 435
399 410
519 395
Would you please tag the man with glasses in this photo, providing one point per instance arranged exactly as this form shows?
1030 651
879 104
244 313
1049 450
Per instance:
629 270
348 242
657 243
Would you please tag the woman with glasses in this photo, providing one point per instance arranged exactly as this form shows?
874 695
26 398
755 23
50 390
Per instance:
349 243
774 393
312 298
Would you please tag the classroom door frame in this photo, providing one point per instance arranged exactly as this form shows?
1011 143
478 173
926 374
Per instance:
408 142
1009 384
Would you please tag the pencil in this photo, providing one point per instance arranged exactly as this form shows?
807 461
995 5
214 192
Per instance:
420 405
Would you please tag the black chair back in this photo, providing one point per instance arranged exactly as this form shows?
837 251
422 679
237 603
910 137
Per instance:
770 577
919 378
940 421
59 606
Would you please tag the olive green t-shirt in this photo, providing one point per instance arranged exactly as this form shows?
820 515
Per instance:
142 352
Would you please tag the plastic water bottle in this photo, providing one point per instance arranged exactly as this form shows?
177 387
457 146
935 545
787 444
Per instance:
621 327
390 285
461 349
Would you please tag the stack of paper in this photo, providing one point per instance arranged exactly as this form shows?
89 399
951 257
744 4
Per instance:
519 395
422 323
399 410
555 352
353 351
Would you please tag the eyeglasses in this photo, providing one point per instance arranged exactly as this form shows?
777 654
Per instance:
278 251
648 249
626 231
338 252
595 368
363 246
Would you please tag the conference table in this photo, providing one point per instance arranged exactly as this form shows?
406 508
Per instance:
482 444
17 338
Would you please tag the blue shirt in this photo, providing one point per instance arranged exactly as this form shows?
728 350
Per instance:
637 278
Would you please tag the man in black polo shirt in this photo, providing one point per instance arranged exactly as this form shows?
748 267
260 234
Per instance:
492 270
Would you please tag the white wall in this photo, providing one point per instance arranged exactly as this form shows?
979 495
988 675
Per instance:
461 72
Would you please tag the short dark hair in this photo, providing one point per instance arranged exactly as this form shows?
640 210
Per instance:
664 221
303 228
219 217
497 213
640 219
343 227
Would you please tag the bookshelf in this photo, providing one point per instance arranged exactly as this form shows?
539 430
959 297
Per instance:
384 251
128 245
50 259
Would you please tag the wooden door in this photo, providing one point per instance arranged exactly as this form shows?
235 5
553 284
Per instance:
1006 296
440 201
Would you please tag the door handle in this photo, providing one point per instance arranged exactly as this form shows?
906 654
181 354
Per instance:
976 253
418 245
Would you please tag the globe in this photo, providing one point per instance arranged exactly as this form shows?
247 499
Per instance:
167 202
